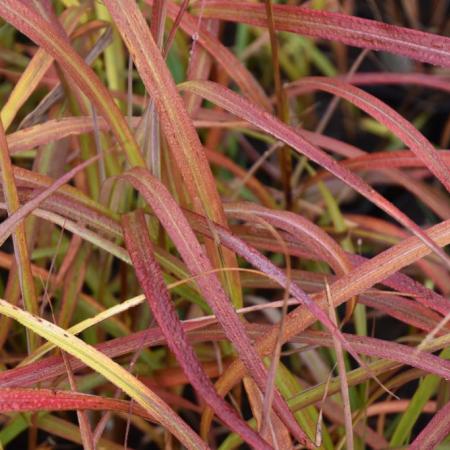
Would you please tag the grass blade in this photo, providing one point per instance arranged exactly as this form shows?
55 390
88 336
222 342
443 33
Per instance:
435 432
150 278
21 251
425 47
29 400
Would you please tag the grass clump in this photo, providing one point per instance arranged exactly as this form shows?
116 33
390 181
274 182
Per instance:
224 225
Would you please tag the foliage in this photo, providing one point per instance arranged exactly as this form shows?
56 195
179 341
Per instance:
253 254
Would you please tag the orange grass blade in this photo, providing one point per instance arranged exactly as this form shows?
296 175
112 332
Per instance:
21 251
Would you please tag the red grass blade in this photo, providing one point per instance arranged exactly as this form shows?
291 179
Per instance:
204 330
425 47
435 432
420 79
28 400
150 278
388 160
